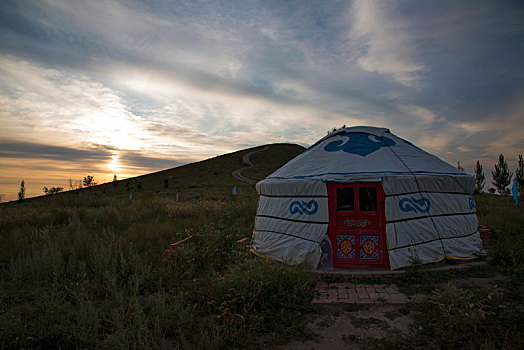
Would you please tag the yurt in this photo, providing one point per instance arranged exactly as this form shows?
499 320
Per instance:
362 197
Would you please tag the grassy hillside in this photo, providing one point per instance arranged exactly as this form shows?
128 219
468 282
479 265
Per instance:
266 162
208 179
212 178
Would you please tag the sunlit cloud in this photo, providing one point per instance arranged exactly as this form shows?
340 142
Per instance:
57 105
419 114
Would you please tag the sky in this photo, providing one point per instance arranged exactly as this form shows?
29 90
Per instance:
131 87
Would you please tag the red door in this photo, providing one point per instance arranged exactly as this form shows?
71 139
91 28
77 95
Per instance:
357 225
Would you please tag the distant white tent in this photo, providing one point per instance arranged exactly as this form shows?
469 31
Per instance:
370 200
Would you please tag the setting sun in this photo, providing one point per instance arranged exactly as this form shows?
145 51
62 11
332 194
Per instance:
114 165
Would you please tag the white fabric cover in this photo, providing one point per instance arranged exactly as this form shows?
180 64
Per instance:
292 219
440 204
430 213
290 188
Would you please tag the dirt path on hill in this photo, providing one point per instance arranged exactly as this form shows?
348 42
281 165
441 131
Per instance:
245 159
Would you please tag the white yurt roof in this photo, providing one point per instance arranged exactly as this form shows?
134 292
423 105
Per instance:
363 152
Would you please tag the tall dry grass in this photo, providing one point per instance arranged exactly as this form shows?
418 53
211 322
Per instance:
87 272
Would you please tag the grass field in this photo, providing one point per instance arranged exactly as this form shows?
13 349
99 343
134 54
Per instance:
85 270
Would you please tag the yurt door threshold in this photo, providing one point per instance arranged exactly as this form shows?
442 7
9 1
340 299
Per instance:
357 225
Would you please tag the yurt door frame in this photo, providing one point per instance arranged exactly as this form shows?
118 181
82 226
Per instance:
357 225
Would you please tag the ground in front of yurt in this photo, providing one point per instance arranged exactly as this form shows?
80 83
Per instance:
353 326
363 314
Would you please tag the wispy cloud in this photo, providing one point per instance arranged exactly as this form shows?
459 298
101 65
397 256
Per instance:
57 105
385 40
419 114
19 149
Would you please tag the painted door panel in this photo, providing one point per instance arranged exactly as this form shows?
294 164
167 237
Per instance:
357 225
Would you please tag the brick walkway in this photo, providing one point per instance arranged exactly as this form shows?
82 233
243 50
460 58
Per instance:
352 293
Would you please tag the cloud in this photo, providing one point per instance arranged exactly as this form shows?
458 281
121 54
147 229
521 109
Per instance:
207 54
385 41
20 149
57 105
95 156
65 109
420 114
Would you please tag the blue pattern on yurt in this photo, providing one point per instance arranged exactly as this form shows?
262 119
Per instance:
359 143
301 207
421 205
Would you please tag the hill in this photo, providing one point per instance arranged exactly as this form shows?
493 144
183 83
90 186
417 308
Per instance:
208 179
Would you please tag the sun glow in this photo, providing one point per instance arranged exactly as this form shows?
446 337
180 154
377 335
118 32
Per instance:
115 128
114 165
